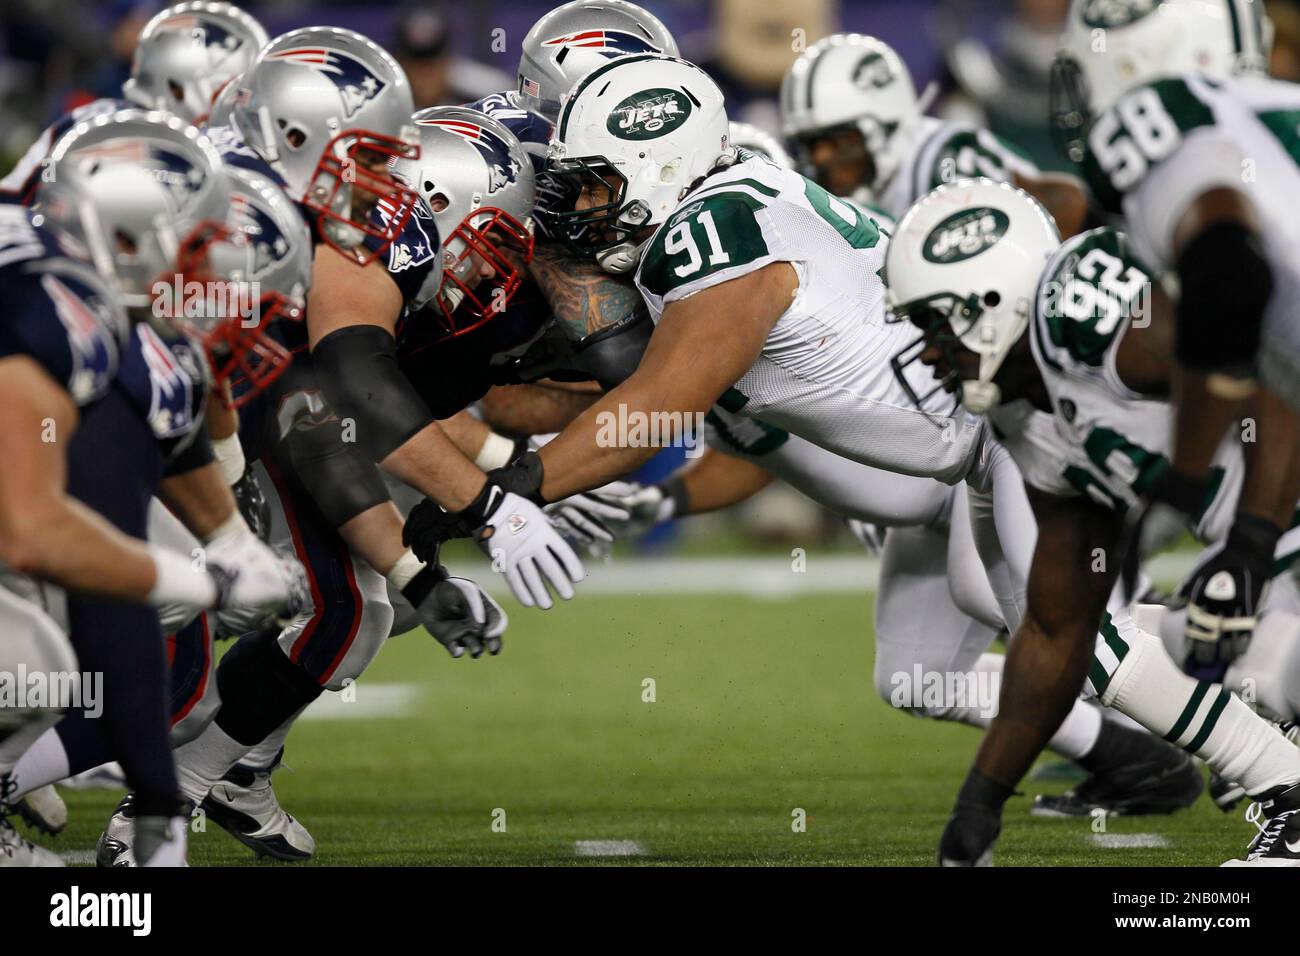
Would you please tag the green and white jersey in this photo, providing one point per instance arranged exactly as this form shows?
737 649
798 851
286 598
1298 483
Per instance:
824 373
841 485
1165 143
1103 439
943 152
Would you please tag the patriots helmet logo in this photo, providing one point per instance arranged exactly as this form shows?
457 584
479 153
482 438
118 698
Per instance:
356 84
610 43
266 240
502 168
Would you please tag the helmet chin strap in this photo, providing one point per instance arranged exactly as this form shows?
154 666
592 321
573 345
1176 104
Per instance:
979 397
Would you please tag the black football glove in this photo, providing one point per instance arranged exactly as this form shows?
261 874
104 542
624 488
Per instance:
457 612
252 504
1224 593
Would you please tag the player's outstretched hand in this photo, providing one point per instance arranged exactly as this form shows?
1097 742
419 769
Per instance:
524 546
255 578
463 617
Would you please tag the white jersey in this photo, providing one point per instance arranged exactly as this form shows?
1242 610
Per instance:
943 151
824 373
1102 439
844 486
1165 143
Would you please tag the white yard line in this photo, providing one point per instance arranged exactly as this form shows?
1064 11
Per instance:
366 700
1129 841
608 848
771 578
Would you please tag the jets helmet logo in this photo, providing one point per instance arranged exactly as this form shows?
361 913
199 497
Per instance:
649 114
965 235
502 168
1116 13
873 72
357 85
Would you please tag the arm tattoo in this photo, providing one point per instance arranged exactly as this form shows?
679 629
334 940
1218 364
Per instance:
584 298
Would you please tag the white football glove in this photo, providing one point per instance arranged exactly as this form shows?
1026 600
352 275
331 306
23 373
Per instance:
523 545
589 519
255 580
645 505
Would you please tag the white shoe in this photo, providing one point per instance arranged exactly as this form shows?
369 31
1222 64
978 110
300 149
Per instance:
17 851
243 804
43 809
171 852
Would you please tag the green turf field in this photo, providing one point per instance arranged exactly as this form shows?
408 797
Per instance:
762 707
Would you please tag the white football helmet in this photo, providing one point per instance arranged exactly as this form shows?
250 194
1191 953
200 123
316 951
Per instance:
963 266
577 37
329 110
851 81
1110 46
187 53
479 182
135 188
638 132
750 137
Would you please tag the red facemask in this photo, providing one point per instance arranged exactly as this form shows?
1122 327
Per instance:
237 343
493 238
380 204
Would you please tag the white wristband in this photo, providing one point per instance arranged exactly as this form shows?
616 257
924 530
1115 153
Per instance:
234 525
497 452
229 454
407 567
177 581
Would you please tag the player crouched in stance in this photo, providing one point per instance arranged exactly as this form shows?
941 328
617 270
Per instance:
129 191
1048 340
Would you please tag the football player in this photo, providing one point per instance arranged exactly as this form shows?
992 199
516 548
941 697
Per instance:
1178 129
850 112
1057 343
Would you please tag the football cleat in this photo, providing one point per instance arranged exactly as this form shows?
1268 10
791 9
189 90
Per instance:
43 809
243 804
1278 840
1225 793
114 846
16 851
1169 781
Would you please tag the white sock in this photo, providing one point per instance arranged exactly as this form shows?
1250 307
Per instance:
19 741
44 762
206 759
1202 718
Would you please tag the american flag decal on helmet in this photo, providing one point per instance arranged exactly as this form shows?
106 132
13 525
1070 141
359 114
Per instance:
529 87
357 85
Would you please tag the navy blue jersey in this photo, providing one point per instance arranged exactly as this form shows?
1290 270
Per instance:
20 185
57 310
164 376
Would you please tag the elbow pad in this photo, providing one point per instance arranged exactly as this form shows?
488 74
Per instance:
362 381
612 354
1225 285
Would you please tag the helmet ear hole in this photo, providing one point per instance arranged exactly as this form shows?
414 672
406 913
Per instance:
438 201
992 298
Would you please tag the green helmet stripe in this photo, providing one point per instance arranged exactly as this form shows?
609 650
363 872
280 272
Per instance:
1235 17
600 71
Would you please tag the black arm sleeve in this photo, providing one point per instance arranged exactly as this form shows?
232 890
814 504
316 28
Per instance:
194 455
342 481
1226 286
360 377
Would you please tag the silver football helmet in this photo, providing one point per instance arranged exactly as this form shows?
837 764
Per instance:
187 53
134 188
577 37
330 110
477 179
259 270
